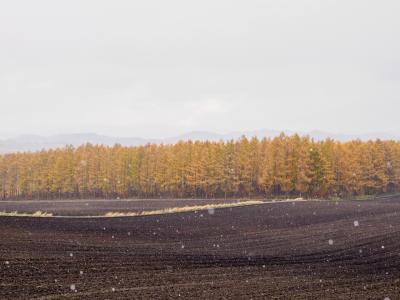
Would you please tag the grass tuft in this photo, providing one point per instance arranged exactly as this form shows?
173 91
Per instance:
181 209
37 214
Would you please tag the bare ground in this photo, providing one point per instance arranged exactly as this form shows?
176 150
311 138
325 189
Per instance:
90 207
300 250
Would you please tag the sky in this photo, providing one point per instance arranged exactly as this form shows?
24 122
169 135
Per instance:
159 68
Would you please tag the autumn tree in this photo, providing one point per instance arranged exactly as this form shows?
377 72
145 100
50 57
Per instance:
282 166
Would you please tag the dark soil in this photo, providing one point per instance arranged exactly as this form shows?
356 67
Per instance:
267 251
100 207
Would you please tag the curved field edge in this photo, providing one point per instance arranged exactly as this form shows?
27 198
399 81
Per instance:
208 207
37 214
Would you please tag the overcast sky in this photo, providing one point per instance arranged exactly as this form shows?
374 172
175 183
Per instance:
161 68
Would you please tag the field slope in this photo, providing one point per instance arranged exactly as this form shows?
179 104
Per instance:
299 250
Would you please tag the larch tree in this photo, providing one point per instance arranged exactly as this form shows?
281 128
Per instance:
282 166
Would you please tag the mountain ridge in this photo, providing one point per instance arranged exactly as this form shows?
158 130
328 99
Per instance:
31 142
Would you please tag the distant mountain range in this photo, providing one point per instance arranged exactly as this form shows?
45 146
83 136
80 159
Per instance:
37 142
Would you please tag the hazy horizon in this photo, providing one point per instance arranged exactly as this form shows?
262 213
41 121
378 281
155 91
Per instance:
159 69
247 133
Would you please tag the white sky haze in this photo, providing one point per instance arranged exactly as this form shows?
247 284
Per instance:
160 68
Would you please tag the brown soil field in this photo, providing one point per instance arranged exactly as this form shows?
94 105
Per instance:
93 207
299 250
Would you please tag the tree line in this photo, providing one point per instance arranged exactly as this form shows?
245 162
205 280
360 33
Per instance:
282 166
